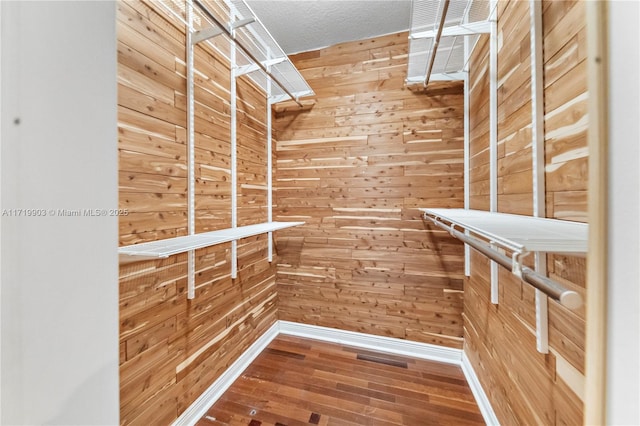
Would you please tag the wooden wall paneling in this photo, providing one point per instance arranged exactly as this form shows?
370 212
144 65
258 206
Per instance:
172 349
137 140
519 393
524 385
153 26
355 167
566 145
479 127
515 192
252 154
132 42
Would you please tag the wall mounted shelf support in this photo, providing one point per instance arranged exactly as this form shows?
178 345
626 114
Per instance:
520 235
493 135
206 34
191 155
241 17
267 63
233 98
253 67
442 38
234 25
538 161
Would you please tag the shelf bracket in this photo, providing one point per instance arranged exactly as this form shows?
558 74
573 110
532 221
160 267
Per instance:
516 259
206 34
241 23
246 69
283 97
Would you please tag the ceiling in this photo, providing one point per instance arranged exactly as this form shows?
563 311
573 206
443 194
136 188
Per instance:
303 25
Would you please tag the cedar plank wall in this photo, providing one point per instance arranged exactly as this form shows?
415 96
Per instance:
524 386
356 167
172 349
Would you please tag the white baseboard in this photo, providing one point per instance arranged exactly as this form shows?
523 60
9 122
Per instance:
476 388
361 340
377 343
200 406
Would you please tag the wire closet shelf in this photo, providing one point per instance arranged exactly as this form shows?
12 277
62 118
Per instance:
260 57
257 57
168 247
493 234
437 38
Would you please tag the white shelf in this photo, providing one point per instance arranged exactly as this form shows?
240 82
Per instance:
249 32
518 233
521 235
168 247
465 19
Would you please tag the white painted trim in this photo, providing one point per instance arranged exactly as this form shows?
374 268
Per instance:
369 341
200 406
389 345
482 400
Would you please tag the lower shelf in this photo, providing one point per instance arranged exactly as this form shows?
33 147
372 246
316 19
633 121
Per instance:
164 248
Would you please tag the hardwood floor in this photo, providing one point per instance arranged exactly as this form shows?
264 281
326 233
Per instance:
297 381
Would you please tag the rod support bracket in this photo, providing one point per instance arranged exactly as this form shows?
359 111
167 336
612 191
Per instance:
516 262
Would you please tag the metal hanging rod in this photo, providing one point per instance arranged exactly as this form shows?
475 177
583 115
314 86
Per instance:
229 33
565 297
434 48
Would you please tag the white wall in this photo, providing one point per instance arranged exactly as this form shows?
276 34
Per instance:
623 395
59 307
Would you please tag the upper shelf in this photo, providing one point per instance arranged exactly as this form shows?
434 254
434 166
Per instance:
170 246
261 44
463 19
237 18
519 233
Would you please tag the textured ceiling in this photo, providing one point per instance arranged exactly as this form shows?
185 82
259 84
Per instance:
303 25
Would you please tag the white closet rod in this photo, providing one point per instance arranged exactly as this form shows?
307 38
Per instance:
565 297
231 36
